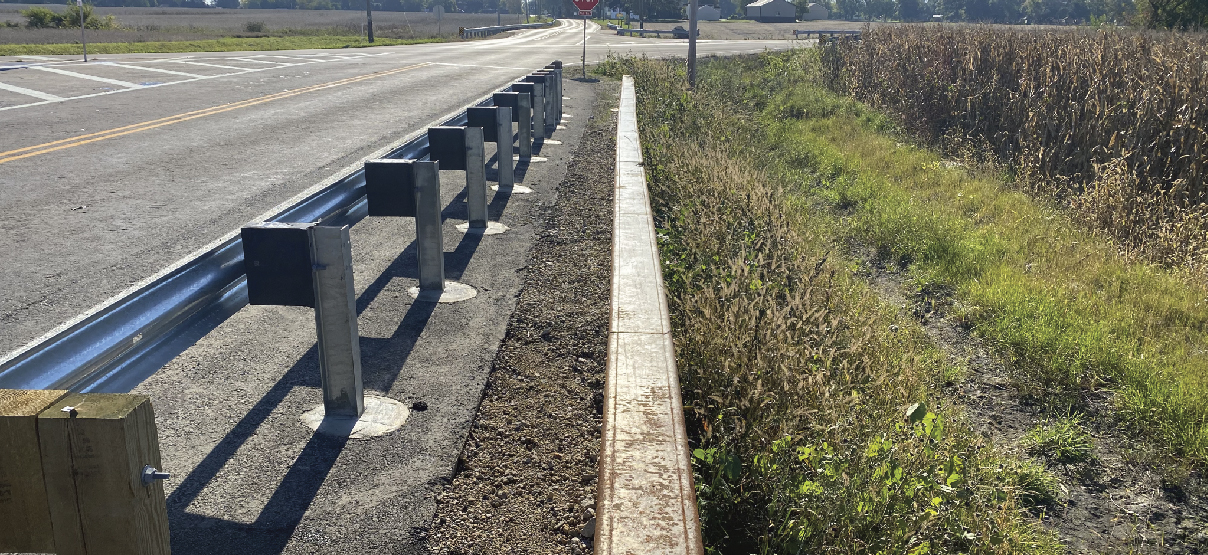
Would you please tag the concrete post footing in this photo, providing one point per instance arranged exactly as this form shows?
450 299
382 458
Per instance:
454 292
492 228
382 415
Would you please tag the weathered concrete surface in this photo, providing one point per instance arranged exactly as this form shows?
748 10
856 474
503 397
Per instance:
646 502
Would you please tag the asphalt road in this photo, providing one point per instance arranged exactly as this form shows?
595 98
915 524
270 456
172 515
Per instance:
115 168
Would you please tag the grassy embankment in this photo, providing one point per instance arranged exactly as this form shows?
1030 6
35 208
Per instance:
798 379
1117 139
814 408
230 44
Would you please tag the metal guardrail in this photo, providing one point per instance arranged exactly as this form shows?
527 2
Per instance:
476 32
826 33
646 502
680 33
119 343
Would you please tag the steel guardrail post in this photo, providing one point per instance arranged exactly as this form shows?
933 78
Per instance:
496 124
537 116
476 177
429 233
461 148
336 322
503 147
519 103
304 264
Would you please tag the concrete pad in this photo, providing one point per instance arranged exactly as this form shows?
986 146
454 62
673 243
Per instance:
646 502
382 415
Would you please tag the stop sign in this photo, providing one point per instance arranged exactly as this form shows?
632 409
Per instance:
585 5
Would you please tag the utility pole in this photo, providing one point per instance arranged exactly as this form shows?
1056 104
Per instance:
369 18
83 38
692 44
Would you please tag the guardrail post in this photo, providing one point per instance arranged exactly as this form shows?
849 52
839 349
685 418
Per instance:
556 66
496 124
546 80
336 322
521 112
461 148
537 102
411 189
303 264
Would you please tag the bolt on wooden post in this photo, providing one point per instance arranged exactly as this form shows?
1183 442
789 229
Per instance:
79 474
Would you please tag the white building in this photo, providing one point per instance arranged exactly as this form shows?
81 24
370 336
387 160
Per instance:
707 13
772 11
815 12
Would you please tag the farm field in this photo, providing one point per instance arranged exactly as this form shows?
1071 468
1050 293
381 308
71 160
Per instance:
741 29
892 343
225 30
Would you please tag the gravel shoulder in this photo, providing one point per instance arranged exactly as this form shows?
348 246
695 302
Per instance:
526 479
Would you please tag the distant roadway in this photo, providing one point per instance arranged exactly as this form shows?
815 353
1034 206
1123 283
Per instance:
115 168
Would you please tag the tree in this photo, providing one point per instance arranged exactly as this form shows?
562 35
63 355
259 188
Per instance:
908 10
1176 14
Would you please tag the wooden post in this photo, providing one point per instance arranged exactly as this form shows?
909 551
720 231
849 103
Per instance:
23 509
93 459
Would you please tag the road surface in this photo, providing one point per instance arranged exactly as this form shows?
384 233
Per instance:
115 168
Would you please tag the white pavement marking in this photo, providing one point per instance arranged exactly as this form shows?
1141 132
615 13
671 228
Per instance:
29 92
244 69
41 58
249 60
91 77
475 65
155 69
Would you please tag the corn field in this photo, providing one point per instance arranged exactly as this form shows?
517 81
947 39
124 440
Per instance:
1112 123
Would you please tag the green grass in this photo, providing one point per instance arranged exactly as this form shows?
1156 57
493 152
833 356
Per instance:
763 181
1072 314
813 409
230 44
1062 440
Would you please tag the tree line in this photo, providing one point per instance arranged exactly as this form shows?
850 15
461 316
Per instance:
1174 14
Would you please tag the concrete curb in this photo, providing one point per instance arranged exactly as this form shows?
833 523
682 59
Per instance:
646 501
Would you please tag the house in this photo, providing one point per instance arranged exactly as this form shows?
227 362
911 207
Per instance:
703 13
815 11
772 11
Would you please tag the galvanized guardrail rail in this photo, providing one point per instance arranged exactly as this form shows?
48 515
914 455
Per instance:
828 33
117 344
476 32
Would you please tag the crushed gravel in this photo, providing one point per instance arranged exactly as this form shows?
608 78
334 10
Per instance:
526 479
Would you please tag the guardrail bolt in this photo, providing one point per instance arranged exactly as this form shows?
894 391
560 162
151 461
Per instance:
151 474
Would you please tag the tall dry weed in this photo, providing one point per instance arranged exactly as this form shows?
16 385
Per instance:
1115 122
795 386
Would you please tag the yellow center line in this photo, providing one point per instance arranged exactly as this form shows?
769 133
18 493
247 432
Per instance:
61 144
